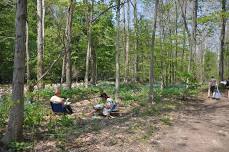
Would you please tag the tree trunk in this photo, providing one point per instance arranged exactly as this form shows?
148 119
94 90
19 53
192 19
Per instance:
117 78
68 45
124 35
16 116
194 28
176 49
151 81
203 48
89 43
63 71
127 44
27 54
135 42
222 37
40 41
93 53
183 14
93 66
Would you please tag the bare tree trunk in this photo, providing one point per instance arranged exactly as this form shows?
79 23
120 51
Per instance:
222 37
124 35
183 51
40 41
203 48
63 72
27 54
16 116
127 44
93 51
135 42
151 81
183 14
170 56
194 28
162 52
89 24
117 52
68 45
93 66
176 63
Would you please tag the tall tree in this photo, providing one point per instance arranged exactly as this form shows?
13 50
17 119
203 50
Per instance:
89 43
135 72
194 28
117 51
222 38
68 44
93 66
183 14
151 79
176 49
27 54
127 44
93 51
40 40
16 115
63 71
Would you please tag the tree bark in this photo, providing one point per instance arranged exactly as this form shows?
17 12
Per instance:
194 28
183 51
151 79
27 54
117 51
68 45
93 66
63 71
222 37
16 116
89 43
40 40
127 44
135 72
183 14
176 49
93 52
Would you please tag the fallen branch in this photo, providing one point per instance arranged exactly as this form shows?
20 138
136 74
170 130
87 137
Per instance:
31 86
50 67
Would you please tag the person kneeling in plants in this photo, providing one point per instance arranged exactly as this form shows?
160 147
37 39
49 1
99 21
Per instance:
56 99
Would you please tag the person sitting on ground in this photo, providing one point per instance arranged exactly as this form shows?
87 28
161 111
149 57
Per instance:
57 99
107 108
212 86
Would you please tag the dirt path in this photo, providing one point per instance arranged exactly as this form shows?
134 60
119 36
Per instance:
201 127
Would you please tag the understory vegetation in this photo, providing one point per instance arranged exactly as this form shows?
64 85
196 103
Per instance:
41 123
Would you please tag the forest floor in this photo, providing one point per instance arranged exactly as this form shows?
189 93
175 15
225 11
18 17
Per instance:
198 125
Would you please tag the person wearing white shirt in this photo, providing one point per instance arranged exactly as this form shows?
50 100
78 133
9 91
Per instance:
57 99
